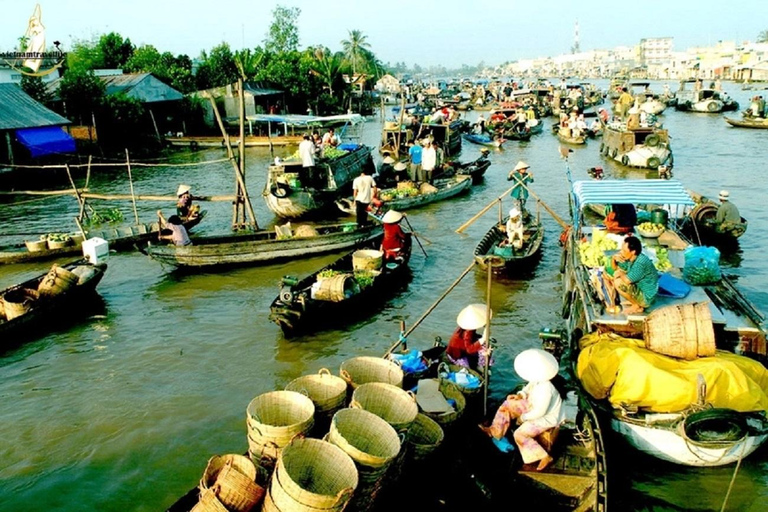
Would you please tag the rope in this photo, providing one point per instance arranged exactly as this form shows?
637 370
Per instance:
105 164
733 478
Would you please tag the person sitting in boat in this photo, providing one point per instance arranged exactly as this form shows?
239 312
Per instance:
515 229
184 207
595 127
537 408
331 139
173 229
581 126
621 219
480 125
386 175
633 276
521 177
466 346
728 215
395 239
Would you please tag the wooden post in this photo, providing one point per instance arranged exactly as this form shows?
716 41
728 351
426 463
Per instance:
241 151
130 182
154 123
400 125
10 147
381 111
501 213
80 199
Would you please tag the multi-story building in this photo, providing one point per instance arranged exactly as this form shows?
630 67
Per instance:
655 51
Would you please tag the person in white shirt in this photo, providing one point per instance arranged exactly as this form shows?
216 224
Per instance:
307 152
428 161
537 408
364 190
515 229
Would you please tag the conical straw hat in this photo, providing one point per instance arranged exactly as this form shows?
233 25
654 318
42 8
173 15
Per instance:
472 317
183 189
392 217
536 365
521 165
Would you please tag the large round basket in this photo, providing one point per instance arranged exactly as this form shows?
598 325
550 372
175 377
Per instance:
233 479
683 331
368 439
274 419
451 392
18 301
366 369
388 402
335 288
57 281
208 502
311 475
367 259
424 436
326 391
455 368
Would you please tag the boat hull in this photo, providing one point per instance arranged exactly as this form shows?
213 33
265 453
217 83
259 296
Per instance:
457 186
744 123
515 264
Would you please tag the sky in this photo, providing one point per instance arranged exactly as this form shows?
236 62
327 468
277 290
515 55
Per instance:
427 32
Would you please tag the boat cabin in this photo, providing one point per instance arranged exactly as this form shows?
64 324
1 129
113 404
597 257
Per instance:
625 139
696 92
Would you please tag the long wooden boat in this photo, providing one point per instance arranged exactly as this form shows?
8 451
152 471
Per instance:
642 147
483 140
446 188
568 139
699 224
759 124
120 239
293 191
299 307
251 141
262 246
44 310
715 429
474 169
504 259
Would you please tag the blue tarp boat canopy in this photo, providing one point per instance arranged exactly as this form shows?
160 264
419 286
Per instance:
664 192
46 140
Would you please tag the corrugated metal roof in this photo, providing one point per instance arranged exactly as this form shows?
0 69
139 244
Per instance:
19 110
635 192
141 86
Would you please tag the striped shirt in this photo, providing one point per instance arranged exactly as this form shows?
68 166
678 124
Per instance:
643 273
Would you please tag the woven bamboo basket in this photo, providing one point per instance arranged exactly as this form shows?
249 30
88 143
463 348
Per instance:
233 479
36 245
366 369
367 259
453 368
425 436
368 439
313 475
208 502
451 392
388 402
326 391
274 419
684 331
57 281
335 288
18 301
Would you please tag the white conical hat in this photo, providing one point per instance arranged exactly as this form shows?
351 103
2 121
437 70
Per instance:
514 212
472 317
724 194
536 365
521 165
388 160
392 217
400 166
183 189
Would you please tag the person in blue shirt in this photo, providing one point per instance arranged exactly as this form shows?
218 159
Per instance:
414 152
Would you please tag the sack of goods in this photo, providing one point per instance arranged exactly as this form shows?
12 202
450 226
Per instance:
702 265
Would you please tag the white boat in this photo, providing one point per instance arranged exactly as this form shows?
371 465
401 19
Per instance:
645 147
647 100
693 97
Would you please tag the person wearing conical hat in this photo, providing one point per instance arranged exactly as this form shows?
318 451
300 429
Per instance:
184 207
395 240
519 193
385 176
466 343
537 408
515 229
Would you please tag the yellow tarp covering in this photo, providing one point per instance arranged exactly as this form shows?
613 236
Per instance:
625 372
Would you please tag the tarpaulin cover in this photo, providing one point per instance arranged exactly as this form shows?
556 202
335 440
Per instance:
623 371
47 140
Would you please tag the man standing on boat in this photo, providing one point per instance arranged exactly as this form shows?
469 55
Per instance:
624 103
521 177
428 161
414 152
364 190
728 215
634 276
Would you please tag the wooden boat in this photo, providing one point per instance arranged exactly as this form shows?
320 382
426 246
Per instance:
293 191
251 141
699 225
564 135
305 304
484 140
759 124
120 239
261 247
642 147
693 98
474 169
44 309
504 259
672 432
446 188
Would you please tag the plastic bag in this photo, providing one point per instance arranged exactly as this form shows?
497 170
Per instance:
702 265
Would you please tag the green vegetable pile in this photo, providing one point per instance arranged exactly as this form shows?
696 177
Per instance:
331 152
328 273
55 237
592 254
110 216
662 264
364 278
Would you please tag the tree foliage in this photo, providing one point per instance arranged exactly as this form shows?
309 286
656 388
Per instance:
218 68
174 71
35 87
115 51
762 37
356 50
82 93
283 35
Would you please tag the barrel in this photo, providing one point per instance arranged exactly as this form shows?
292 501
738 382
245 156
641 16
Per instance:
367 259
335 288
311 476
659 216
388 402
365 369
57 281
276 418
684 331
18 301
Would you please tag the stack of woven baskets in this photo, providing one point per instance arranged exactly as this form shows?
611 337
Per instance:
274 419
229 484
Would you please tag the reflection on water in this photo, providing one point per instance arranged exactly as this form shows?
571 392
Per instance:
121 411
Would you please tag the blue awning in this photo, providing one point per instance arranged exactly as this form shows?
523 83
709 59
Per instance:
47 140
662 192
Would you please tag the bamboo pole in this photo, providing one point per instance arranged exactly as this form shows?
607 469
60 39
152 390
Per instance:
80 199
415 236
157 132
487 338
241 152
481 212
66 192
545 205
130 182
403 336
122 197
400 125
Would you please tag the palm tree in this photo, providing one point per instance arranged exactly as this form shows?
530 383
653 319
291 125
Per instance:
248 62
327 67
354 48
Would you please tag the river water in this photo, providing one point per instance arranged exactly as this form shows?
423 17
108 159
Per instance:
121 411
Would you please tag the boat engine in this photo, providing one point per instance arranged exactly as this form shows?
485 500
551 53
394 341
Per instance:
596 173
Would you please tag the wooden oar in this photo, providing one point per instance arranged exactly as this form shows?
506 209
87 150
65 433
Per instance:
415 236
404 336
545 205
481 212
487 338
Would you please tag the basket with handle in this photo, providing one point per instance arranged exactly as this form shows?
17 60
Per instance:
18 301
233 479
313 475
326 391
388 402
57 281
208 502
369 440
425 436
274 419
366 369
451 392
